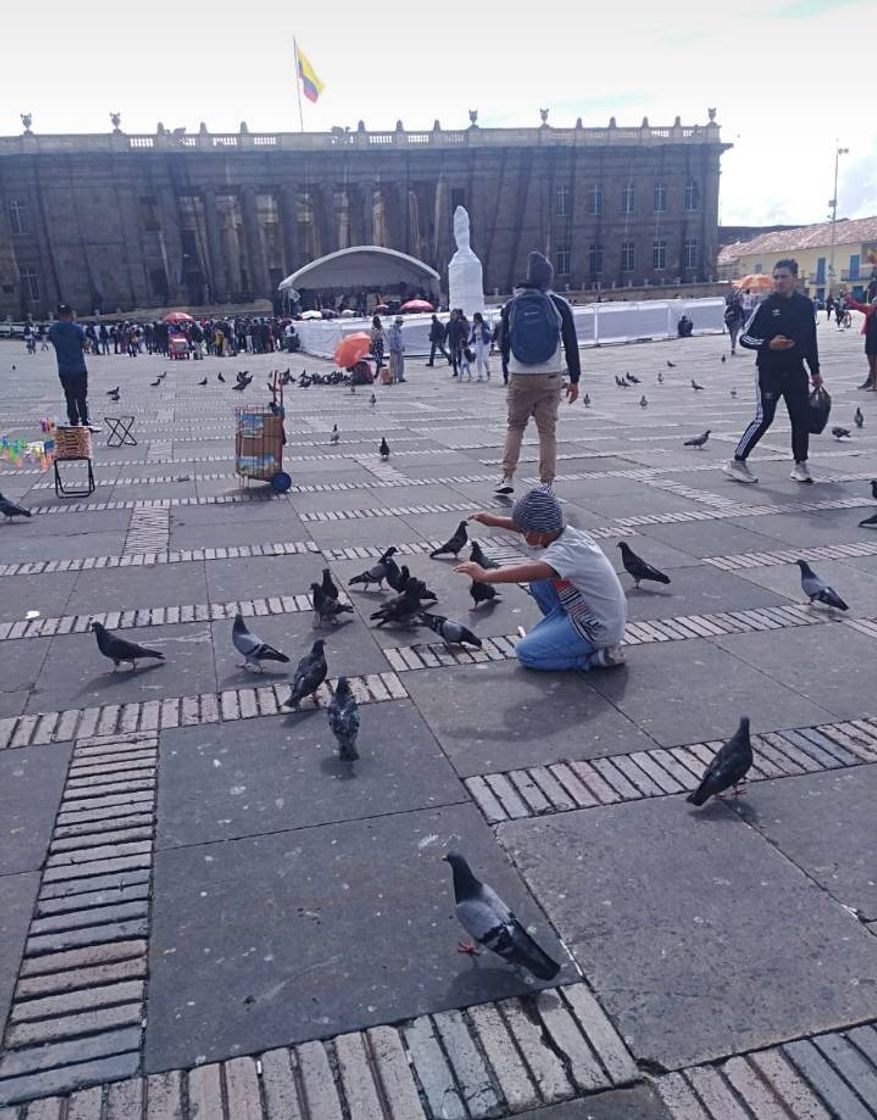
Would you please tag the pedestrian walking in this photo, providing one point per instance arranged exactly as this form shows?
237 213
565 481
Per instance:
869 330
396 344
377 337
538 333
457 335
437 333
782 332
479 342
68 338
840 310
734 320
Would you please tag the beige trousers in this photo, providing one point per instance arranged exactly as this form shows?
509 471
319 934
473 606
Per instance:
536 395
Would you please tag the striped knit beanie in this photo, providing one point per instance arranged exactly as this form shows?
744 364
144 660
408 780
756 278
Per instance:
538 512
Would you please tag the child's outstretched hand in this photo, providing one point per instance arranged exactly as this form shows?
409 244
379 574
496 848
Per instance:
482 517
473 570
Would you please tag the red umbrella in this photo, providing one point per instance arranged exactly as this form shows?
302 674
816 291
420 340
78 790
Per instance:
382 309
352 349
417 305
178 317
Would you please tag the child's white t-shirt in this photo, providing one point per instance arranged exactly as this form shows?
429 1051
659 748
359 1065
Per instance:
588 587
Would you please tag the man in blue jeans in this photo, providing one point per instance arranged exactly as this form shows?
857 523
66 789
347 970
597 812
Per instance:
68 338
583 604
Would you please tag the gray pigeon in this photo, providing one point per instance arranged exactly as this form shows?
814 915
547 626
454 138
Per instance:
490 922
251 647
728 768
118 650
310 673
453 546
478 556
384 449
869 522
482 593
336 435
637 567
378 572
817 589
859 418
12 509
452 633
403 608
328 585
697 441
326 609
343 712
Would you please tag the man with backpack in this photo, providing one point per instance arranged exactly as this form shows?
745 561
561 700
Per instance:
537 333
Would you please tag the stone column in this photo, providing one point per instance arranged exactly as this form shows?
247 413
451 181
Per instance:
253 237
367 209
289 218
216 264
172 243
126 197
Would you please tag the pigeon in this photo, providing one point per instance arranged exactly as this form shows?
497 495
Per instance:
695 386
219 377
816 589
478 556
242 373
452 633
660 378
403 608
327 586
482 593
724 359
384 449
113 392
325 608
336 435
373 400
670 365
621 383
118 650
586 400
309 675
489 922
643 402
453 546
251 647
869 522
698 441
874 489
155 383
12 509
637 567
728 768
633 380
377 573
734 394
841 433
204 382
343 712
400 579
239 388
162 375
859 418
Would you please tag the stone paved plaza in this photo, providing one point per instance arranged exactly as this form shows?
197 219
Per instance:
203 913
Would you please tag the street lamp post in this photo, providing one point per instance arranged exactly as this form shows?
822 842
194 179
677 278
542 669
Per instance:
838 152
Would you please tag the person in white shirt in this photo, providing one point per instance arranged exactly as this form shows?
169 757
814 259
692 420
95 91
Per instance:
583 604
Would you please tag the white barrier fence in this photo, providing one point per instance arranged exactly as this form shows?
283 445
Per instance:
597 324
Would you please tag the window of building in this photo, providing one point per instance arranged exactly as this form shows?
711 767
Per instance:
759 268
30 285
458 197
627 199
660 196
627 256
689 253
17 212
855 261
820 270
595 200
562 260
561 202
692 195
595 259
659 254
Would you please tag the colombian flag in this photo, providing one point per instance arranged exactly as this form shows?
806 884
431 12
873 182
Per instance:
310 83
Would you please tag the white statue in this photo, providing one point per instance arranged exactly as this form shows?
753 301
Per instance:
465 279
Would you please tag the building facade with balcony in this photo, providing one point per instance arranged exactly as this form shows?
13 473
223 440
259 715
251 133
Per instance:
854 255
118 221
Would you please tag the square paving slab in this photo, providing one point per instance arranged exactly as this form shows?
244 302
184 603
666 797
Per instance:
21 663
31 783
274 939
122 589
283 772
260 577
47 594
498 716
699 938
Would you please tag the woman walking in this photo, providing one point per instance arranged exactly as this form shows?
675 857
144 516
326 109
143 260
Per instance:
377 336
480 341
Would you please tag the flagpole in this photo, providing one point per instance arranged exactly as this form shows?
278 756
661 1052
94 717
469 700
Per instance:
301 119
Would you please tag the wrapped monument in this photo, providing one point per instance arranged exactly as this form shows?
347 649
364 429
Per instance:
465 282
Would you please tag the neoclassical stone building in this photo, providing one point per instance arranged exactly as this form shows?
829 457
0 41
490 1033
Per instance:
117 221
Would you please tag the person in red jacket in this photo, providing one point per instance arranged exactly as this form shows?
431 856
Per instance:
869 330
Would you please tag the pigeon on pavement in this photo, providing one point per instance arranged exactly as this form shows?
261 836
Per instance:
403 608
336 435
734 394
869 522
841 433
482 593
118 650
643 401
671 365
633 380
384 449
586 400
859 418
637 567
621 383
155 383
328 586
310 673
695 385
452 547
373 400
817 589
204 382
489 922
343 712
728 768
113 392
451 632
377 573
874 489
724 359
698 441
251 647
660 377
12 509
327 609
478 556
219 377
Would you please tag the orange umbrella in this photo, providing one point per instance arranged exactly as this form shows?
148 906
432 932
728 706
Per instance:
417 305
352 349
178 317
756 282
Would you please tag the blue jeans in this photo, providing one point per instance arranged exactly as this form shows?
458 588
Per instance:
553 643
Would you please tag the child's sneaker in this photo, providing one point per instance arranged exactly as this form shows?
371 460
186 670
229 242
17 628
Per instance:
607 657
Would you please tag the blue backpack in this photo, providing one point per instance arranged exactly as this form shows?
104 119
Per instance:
534 327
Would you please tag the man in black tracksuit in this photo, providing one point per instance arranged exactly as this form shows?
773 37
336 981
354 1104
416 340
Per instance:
783 333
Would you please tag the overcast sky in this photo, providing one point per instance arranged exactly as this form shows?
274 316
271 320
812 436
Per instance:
786 78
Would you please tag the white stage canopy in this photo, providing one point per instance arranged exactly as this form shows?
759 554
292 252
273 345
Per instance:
597 324
363 266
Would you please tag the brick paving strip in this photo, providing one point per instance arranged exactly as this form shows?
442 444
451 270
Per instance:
181 711
661 772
